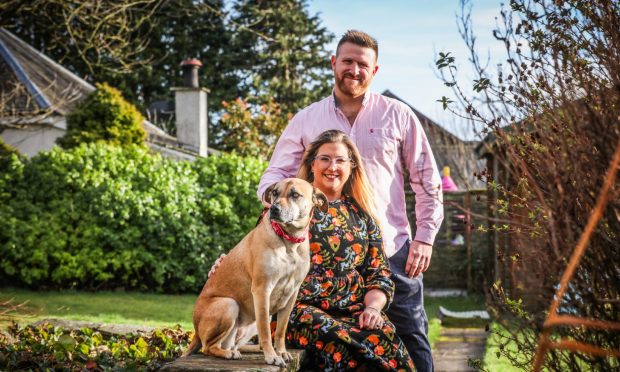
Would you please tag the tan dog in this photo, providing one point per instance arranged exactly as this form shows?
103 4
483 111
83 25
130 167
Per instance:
259 277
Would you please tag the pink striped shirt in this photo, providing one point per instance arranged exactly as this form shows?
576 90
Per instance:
389 137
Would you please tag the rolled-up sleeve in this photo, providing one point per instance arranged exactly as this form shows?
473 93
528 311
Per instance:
286 157
424 179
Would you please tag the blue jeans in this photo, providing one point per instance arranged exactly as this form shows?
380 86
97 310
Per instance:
408 314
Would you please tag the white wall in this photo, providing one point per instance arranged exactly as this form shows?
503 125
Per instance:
34 138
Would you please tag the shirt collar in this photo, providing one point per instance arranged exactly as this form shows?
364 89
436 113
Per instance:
335 102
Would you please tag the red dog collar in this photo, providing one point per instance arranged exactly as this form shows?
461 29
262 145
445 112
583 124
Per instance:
281 233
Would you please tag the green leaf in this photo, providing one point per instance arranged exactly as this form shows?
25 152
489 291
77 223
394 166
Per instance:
445 101
481 84
66 342
444 60
141 344
83 348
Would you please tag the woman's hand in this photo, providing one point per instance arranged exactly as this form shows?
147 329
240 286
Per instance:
371 317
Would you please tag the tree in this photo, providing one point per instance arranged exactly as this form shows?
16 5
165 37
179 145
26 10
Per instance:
281 51
252 131
184 29
104 116
86 36
135 46
553 109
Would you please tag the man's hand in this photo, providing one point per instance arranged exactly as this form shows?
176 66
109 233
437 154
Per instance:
418 259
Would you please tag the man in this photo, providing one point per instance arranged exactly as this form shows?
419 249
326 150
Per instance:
391 140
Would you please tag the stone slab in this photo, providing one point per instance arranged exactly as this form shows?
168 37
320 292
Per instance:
105 329
249 362
444 292
455 346
478 318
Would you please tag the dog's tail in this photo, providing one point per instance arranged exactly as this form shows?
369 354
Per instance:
193 346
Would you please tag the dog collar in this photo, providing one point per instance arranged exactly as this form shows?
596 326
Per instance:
281 233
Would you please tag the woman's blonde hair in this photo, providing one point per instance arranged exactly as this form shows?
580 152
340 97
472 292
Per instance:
357 186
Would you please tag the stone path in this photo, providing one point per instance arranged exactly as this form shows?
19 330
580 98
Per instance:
456 345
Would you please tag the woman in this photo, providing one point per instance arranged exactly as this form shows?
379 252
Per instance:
338 316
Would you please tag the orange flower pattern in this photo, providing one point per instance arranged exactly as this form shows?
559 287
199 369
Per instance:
325 320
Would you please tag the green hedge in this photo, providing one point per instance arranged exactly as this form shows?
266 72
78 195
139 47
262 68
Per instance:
104 217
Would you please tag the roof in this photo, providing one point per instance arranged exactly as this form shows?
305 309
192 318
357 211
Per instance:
449 150
432 129
40 83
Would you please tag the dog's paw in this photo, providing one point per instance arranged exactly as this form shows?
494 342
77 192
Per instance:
286 356
275 360
231 354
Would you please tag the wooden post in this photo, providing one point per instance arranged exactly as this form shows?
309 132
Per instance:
470 282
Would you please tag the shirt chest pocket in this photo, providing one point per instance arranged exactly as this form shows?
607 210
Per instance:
380 143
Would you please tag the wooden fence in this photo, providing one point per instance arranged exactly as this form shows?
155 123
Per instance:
461 253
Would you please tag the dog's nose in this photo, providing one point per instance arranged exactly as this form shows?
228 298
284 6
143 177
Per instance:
275 209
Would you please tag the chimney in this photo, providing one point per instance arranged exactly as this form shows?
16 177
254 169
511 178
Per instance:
190 103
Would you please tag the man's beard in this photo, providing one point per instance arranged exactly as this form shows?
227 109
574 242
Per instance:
353 91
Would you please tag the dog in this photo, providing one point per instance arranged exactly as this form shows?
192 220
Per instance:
261 276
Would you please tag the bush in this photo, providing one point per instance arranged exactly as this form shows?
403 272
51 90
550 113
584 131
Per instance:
551 111
7 153
104 116
104 217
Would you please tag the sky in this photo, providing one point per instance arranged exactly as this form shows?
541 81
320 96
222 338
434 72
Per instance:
411 33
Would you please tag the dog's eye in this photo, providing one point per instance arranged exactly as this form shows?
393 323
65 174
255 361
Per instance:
274 192
295 195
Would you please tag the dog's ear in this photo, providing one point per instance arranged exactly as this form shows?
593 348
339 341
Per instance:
320 200
267 193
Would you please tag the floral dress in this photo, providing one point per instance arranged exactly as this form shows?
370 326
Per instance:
347 261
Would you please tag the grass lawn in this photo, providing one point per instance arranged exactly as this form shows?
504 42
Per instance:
492 360
431 304
155 309
106 307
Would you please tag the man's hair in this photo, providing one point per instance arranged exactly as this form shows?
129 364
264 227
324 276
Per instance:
359 38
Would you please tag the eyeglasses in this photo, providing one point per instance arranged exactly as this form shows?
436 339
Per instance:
325 161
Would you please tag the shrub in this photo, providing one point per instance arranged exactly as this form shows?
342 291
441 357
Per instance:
46 347
100 216
104 116
551 111
7 152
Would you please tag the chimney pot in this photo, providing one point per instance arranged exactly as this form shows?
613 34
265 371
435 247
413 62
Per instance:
190 72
